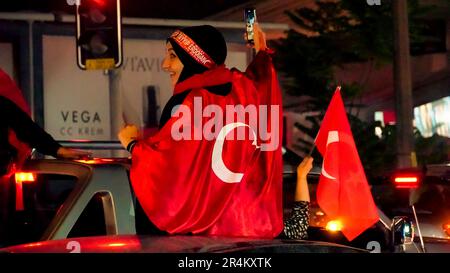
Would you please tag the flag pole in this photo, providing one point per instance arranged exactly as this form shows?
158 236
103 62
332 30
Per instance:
311 150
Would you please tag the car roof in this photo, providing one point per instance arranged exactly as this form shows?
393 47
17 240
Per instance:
176 244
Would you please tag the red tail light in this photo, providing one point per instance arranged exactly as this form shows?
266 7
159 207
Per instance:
25 177
99 2
20 178
406 181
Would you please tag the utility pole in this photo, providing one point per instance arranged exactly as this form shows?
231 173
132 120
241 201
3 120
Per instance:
115 102
402 85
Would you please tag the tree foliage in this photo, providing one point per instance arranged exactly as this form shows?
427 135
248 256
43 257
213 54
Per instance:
335 34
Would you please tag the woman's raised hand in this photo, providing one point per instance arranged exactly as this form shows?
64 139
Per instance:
259 38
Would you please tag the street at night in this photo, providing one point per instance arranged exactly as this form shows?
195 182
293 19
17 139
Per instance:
246 128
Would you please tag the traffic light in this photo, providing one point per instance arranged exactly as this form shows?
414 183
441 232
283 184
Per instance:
99 35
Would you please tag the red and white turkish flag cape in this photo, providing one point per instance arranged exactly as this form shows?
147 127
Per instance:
343 192
215 187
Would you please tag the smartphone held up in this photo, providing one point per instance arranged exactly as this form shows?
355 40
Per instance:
250 20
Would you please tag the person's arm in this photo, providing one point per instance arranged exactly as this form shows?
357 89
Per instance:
301 189
26 129
29 132
296 227
261 66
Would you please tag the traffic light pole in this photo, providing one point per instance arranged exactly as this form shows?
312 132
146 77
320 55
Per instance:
115 98
402 85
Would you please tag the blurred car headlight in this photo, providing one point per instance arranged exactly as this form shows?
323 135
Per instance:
446 228
334 225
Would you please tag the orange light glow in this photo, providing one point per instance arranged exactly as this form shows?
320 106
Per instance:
446 228
96 160
25 177
334 225
107 160
116 244
320 213
89 161
33 245
81 140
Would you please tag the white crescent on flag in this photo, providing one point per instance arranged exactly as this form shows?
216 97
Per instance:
333 136
217 164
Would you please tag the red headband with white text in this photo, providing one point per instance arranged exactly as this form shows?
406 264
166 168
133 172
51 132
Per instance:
192 49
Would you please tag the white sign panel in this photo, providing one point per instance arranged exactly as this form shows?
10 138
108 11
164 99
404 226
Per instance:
76 102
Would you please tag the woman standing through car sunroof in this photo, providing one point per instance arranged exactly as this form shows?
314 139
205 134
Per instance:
191 178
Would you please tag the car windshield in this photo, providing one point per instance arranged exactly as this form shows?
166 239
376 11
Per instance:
431 200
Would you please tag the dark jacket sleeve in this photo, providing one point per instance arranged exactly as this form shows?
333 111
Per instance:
296 227
26 129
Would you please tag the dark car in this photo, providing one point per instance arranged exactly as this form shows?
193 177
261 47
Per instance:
89 206
423 195
430 194
65 199
178 244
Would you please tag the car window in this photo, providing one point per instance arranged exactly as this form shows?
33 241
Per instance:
42 198
91 221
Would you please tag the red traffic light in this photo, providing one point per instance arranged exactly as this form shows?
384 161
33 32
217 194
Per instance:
99 2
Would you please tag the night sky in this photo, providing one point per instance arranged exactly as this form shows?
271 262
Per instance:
173 9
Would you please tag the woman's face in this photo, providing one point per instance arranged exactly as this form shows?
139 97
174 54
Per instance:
172 64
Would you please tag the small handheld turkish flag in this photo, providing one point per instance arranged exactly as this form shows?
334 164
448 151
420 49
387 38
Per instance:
343 192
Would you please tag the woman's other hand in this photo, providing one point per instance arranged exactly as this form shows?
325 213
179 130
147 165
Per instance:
302 189
68 153
128 134
304 167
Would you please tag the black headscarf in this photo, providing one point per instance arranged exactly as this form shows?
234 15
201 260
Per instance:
210 40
